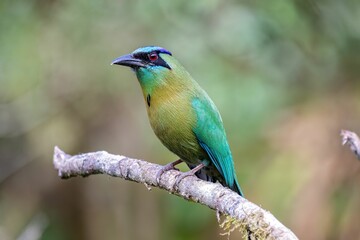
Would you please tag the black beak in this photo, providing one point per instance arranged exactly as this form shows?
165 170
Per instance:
128 60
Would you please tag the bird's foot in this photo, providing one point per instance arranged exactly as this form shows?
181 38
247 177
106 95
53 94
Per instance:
165 168
192 172
181 176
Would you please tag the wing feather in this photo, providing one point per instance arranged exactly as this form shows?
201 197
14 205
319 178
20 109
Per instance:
211 136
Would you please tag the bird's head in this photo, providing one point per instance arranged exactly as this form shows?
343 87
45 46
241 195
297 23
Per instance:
154 67
146 60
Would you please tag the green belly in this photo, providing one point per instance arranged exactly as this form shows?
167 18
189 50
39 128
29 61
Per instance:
174 127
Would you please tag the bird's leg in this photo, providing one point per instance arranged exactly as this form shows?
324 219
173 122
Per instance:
165 168
188 173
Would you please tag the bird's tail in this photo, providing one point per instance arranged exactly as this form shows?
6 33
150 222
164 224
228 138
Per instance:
236 187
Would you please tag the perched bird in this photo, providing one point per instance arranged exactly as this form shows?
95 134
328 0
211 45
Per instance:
182 116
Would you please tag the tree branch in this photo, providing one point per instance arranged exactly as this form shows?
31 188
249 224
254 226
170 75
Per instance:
248 217
352 140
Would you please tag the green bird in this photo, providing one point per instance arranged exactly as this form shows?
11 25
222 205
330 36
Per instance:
182 116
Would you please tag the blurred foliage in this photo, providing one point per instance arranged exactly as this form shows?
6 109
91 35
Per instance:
284 74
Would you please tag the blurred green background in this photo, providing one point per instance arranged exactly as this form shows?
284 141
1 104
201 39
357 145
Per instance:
283 73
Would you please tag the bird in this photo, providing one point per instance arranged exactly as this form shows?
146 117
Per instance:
182 116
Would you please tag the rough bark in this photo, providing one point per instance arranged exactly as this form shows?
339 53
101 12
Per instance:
243 215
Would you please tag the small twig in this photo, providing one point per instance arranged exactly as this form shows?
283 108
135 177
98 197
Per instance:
352 140
213 195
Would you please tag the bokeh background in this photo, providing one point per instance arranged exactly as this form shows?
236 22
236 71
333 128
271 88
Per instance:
284 74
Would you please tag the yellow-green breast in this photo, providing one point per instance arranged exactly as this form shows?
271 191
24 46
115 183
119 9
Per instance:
173 119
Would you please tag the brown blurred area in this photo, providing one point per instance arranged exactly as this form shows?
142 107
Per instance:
285 76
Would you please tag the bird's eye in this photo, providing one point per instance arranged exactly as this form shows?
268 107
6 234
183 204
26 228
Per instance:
153 56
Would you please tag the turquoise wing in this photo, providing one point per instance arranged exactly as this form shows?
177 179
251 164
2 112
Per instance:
210 133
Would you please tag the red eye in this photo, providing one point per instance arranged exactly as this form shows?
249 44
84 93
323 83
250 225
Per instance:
153 57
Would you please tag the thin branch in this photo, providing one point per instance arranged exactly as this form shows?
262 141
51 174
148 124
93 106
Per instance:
252 218
352 140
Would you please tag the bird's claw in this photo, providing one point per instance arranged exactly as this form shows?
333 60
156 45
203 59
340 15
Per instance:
181 176
160 173
192 172
167 167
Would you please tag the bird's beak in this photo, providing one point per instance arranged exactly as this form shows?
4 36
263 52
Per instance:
128 60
